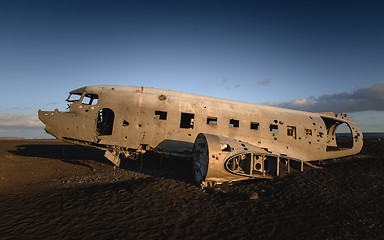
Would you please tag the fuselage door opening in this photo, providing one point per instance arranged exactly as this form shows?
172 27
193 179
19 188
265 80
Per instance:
105 121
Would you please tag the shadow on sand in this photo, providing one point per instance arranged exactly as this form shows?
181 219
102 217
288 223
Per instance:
151 163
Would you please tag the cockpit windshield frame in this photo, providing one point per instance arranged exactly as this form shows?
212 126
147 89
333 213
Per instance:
84 98
74 97
90 99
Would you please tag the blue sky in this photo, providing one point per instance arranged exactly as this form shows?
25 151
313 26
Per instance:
309 55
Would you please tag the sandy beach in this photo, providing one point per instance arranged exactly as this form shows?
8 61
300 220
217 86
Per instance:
53 190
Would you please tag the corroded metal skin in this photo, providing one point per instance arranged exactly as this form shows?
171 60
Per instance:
219 159
128 121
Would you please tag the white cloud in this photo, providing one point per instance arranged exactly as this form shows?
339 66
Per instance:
19 120
302 101
363 99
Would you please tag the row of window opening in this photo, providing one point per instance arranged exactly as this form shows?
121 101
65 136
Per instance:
187 121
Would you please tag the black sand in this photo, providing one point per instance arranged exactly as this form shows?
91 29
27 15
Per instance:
52 190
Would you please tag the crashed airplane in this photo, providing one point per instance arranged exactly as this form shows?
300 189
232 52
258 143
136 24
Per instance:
228 140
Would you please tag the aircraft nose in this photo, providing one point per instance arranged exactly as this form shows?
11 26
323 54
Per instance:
50 121
45 116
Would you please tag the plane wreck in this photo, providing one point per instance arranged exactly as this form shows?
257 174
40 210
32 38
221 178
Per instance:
228 140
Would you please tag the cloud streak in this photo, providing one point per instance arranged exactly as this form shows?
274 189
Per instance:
363 99
19 120
266 82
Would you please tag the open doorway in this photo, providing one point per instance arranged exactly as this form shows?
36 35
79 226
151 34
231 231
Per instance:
105 121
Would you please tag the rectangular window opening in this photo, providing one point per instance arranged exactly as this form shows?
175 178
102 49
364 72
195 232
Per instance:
212 120
273 128
255 125
90 99
187 120
233 123
160 115
291 131
73 97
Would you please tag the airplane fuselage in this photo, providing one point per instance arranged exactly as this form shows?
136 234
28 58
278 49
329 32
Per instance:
125 119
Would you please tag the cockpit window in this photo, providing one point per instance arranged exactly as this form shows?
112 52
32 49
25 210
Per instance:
90 99
73 97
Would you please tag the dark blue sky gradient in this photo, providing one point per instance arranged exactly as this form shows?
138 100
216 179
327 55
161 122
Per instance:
254 51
